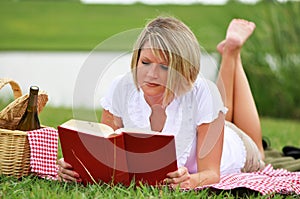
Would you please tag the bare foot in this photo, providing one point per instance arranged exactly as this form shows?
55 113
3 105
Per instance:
238 31
220 46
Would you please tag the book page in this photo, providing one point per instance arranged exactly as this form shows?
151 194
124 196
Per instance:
92 128
136 130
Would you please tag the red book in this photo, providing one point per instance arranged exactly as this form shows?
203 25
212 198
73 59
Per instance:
99 154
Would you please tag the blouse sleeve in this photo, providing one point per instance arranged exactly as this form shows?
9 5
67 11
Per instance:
208 102
109 101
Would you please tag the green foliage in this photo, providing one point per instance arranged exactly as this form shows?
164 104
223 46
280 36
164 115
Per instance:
271 56
70 25
272 61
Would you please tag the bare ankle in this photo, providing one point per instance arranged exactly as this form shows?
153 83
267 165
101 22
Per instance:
233 44
231 50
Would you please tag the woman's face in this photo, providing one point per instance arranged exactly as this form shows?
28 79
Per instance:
152 73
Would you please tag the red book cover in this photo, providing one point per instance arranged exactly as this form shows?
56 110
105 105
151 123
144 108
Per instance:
149 157
121 158
95 158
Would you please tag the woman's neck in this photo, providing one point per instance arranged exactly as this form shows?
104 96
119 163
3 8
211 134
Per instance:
158 100
154 100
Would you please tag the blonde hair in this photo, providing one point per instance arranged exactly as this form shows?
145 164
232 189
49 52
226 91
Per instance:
172 39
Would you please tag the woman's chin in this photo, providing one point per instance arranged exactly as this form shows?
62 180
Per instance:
152 92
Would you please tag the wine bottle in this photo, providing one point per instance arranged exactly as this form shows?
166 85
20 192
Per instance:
30 120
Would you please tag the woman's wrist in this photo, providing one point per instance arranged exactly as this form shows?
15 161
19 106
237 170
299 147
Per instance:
204 178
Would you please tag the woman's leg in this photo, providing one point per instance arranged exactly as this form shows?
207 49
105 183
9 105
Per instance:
233 83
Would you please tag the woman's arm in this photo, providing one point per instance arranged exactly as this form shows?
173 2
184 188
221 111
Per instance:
111 120
209 152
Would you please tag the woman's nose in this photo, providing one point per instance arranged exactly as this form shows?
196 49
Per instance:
153 71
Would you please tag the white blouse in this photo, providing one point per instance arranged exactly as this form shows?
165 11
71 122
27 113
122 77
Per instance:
200 105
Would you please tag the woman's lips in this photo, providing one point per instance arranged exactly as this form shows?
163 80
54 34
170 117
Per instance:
151 84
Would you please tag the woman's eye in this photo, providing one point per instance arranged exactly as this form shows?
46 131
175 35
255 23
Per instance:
164 67
145 63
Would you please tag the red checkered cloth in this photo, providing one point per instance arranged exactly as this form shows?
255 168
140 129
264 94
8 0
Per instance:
43 152
267 181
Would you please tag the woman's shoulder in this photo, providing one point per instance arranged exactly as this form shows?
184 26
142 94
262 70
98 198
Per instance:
206 96
203 85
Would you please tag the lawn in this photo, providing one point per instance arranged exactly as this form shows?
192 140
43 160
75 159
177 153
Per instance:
69 25
280 132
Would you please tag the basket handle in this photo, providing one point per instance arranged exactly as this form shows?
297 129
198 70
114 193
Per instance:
14 85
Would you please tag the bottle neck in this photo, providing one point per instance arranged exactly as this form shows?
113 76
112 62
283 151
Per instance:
32 103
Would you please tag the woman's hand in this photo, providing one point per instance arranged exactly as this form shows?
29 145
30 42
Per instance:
66 173
181 178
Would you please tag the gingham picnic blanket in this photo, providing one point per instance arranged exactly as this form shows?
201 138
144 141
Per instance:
266 181
44 143
43 152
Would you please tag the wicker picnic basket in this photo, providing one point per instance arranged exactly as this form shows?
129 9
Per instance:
14 144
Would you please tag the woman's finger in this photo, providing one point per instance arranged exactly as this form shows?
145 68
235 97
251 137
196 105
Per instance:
68 178
178 180
177 177
180 172
66 173
184 185
61 162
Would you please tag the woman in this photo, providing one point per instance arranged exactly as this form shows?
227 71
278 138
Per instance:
165 93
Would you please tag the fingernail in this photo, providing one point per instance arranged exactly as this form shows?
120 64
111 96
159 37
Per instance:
76 175
79 180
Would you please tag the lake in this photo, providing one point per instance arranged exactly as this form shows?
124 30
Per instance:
73 78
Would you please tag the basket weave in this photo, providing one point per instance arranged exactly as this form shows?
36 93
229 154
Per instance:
14 144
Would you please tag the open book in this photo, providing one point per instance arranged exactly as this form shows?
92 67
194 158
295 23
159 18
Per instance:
100 154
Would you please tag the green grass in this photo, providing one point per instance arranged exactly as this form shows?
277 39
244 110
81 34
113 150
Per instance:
33 187
70 25
280 132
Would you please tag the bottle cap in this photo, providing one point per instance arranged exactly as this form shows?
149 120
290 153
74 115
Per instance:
34 89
